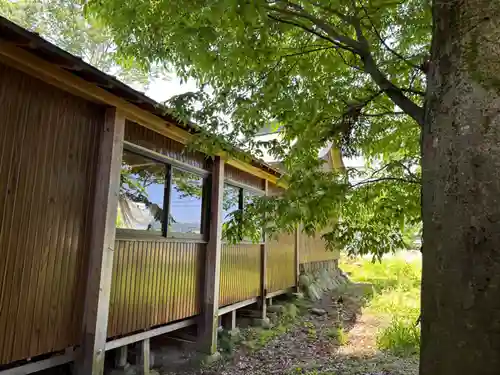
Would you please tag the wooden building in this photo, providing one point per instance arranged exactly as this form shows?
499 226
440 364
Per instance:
90 262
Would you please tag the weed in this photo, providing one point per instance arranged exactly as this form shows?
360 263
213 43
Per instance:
401 338
396 301
338 334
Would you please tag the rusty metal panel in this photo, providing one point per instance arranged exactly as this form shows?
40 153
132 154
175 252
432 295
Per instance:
313 249
151 140
281 266
154 282
243 177
239 273
47 158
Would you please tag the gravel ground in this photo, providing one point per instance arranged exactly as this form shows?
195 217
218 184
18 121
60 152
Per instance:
311 346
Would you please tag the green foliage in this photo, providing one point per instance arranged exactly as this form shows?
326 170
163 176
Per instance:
339 335
396 303
63 23
401 338
341 73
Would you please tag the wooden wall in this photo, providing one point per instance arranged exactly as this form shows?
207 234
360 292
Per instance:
281 267
154 282
48 142
313 249
151 140
243 177
239 273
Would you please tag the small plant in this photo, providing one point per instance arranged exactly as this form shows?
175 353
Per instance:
339 335
401 338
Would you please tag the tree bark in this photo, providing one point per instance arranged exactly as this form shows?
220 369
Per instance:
461 192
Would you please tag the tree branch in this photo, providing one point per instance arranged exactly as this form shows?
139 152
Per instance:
397 179
382 40
342 40
381 114
393 92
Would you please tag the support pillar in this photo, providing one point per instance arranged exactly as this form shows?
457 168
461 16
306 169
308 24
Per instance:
145 357
297 258
121 357
210 304
102 241
263 268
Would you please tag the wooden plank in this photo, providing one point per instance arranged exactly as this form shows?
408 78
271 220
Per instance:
297 257
263 267
145 352
236 306
148 334
210 304
32 367
50 73
102 242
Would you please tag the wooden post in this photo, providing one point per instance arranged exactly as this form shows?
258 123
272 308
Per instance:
102 241
145 356
210 305
263 268
297 258
122 357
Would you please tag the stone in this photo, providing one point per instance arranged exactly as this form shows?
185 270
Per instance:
276 308
319 312
298 295
211 359
262 322
234 332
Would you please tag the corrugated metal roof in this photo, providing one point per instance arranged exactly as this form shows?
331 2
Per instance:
49 52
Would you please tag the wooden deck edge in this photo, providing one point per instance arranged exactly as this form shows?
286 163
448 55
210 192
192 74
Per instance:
279 292
236 306
29 368
113 344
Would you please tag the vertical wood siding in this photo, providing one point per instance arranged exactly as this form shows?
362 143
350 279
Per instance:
154 282
48 144
239 273
151 140
281 262
313 249
243 177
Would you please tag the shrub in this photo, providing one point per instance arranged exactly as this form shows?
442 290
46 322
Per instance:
401 338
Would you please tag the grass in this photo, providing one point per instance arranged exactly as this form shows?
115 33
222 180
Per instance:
395 301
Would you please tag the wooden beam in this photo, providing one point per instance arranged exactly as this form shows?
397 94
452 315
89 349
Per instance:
27 62
102 241
148 334
210 305
297 257
121 359
145 356
236 306
263 267
43 364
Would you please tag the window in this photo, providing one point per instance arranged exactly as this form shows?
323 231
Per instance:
185 203
235 200
142 185
152 191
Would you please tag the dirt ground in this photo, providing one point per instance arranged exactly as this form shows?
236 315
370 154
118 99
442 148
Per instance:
312 344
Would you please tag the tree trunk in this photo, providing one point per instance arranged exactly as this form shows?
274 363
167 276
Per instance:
461 192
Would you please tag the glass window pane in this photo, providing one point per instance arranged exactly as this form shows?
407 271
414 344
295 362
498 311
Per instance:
230 202
248 198
185 203
142 189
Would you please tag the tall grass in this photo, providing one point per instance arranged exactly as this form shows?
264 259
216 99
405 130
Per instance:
395 302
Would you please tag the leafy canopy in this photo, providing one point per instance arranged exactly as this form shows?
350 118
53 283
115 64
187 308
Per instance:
347 73
63 23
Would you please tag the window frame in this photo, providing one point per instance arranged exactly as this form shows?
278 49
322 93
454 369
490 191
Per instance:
242 187
170 164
